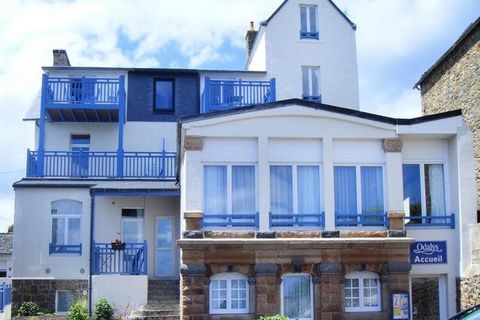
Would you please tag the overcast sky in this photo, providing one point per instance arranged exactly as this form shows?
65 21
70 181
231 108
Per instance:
397 40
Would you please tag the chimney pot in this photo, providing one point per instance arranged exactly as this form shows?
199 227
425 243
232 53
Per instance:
252 28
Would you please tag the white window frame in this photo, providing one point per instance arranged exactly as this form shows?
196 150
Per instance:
360 276
131 219
310 82
229 166
312 306
56 301
66 218
423 190
307 16
229 276
358 182
295 166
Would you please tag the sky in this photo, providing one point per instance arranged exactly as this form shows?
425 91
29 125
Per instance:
397 40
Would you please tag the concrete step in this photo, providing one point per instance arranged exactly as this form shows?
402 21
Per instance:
156 313
161 306
169 302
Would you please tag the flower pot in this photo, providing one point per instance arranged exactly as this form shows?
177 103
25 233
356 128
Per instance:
118 246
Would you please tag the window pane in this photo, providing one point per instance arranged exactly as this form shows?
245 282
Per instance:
215 188
315 82
132 231
80 139
163 95
372 190
303 19
74 236
412 195
64 300
313 19
308 180
434 189
345 190
243 189
297 297
306 81
281 194
67 207
58 231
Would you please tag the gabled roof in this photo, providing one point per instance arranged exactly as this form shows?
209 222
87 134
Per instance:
323 107
465 34
6 243
354 26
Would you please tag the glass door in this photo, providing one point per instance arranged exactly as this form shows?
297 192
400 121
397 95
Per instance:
164 247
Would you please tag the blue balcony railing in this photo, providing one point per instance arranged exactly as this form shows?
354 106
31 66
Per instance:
366 220
89 164
74 249
211 220
228 94
297 220
129 260
430 221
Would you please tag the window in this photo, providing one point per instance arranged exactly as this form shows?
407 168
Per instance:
63 301
228 293
424 190
80 146
362 292
311 83
3 268
66 218
308 22
132 225
359 189
164 95
297 296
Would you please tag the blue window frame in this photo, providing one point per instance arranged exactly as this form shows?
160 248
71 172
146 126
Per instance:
308 22
66 227
164 97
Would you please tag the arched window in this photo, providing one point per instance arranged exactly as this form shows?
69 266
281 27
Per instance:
297 296
362 292
228 293
66 222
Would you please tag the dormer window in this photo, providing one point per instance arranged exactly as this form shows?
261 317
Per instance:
308 22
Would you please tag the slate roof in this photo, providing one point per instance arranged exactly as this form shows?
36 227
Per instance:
6 243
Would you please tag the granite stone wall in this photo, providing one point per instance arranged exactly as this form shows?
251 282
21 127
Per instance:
455 84
42 292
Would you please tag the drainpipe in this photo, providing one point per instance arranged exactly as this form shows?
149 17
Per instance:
91 260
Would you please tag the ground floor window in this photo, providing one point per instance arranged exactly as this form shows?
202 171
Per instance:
63 301
362 292
297 296
228 293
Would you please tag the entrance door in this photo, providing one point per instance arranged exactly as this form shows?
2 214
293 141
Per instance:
427 298
164 247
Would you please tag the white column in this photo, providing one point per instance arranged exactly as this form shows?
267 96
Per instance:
394 181
191 184
263 183
328 184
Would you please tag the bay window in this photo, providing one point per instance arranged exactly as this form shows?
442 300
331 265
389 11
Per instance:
229 293
362 292
297 296
359 189
66 221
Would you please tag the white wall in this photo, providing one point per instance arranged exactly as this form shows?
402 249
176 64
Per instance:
334 53
258 55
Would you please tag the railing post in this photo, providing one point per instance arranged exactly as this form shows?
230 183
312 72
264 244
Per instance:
163 172
121 122
145 255
41 123
206 91
273 91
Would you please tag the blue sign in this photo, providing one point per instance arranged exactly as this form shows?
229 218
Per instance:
428 252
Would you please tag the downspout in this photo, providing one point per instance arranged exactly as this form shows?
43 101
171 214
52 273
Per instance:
92 217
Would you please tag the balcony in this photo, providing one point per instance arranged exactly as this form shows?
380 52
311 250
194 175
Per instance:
83 99
305 221
129 260
227 94
213 221
88 164
430 221
365 220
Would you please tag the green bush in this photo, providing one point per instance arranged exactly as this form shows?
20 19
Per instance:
275 317
103 310
78 311
28 309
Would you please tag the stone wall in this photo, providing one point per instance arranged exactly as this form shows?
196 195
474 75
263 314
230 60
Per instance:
468 292
455 84
42 292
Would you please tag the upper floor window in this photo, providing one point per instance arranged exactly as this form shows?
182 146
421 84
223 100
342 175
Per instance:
308 22
132 225
66 221
297 296
424 190
359 189
311 83
362 292
80 146
3 268
164 95
228 293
